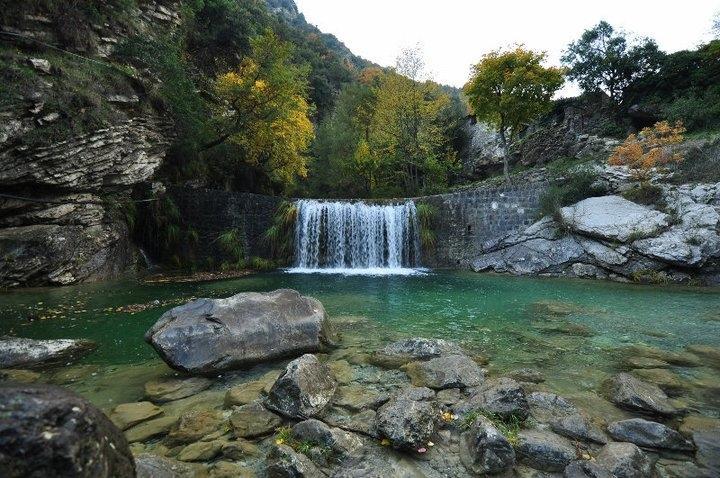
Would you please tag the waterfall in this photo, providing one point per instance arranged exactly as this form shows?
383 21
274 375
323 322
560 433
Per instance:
356 236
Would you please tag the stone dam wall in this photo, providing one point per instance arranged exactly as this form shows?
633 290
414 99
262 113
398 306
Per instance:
466 221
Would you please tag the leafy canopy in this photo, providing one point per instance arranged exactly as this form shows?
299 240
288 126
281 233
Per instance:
264 110
602 60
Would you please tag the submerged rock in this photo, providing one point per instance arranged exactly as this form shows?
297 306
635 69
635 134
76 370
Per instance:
50 431
194 425
401 352
484 450
408 419
648 434
450 371
169 389
126 415
154 466
303 389
544 450
206 336
633 394
578 427
624 460
150 429
253 420
21 352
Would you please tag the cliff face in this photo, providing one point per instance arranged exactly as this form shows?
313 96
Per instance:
77 133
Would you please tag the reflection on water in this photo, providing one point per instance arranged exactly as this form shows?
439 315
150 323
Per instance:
575 332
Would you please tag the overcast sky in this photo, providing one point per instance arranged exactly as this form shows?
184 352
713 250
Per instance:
454 34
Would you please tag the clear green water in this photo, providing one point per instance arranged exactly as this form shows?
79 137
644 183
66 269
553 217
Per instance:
576 345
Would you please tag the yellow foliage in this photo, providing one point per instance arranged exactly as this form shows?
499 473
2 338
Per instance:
651 148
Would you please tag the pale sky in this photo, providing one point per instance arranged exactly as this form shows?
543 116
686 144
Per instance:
454 34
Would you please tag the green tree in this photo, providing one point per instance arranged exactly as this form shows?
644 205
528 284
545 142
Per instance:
602 60
264 111
509 89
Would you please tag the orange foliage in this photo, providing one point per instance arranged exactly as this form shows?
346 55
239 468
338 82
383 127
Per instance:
652 148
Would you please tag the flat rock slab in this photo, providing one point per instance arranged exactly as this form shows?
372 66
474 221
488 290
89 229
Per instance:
127 415
449 371
624 460
613 218
401 352
150 429
631 393
544 450
253 420
502 396
649 434
169 389
18 352
207 336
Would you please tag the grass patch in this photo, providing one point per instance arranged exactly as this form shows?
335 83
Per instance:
646 193
509 427
576 187
648 276
281 234
285 436
427 214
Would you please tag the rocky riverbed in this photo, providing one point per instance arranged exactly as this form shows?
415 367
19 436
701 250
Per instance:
414 407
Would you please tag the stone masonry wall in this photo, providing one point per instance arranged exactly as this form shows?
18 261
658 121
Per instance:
212 212
469 220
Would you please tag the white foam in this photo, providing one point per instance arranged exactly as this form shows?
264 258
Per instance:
369 271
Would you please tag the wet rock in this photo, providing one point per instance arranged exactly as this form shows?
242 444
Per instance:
284 462
624 460
339 442
16 352
708 353
342 371
546 407
402 352
303 389
240 450
244 393
707 443
206 336
484 450
613 218
669 382
682 469
649 434
449 397
527 375
644 362
585 469
194 425
449 371
150 429
501 396
200 451
544 450
127 415
155 466
50 431
19 375
682 359
554 308
578 427
361 422
253 420
358 397
408 419
224 469
633 394
169 389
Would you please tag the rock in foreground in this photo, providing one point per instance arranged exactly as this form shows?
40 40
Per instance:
408 419
303 389
49 431
633 394
207 336
21 352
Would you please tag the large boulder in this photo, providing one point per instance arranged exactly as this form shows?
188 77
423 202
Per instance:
624 460
50 431
207 336
303 390
451 371
631 393
484 450
613 218
21 352
408 419
648 434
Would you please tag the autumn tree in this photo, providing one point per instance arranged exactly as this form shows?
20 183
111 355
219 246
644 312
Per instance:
264 111
509 89
603 60
650 149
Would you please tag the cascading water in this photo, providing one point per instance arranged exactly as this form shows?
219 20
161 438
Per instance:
356 237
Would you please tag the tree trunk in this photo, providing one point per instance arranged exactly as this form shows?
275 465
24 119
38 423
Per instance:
506 155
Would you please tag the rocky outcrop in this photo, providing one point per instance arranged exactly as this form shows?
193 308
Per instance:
408 419
303 390
610 237
21 352
49 431
206 336
484 450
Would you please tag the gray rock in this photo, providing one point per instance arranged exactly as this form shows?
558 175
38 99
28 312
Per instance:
206 336
200 451
194 425
578 427
682 469
546 407
633 394
50 431
502 396
707 442
544 450
168 389
340 442
408 419
624 460
532 256
21 352
127 415
484 450
40 65
613 218
585 469
401 352
303 390
253 420
358 397
284 462
154 466
645 433
527 375
450 371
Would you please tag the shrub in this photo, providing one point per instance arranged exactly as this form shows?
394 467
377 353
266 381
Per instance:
650 149
645 193
426 218
231 243
576 187
281 234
